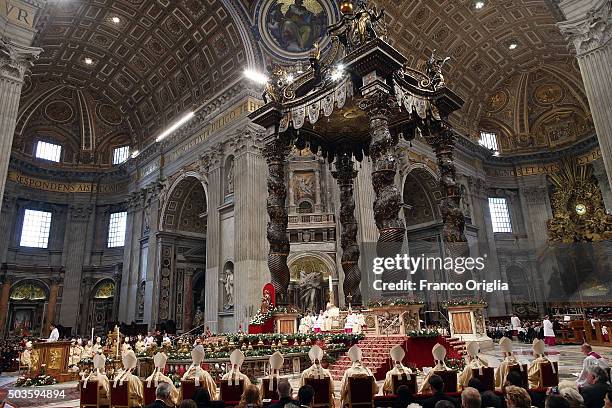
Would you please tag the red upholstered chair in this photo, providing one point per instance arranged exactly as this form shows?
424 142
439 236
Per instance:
89 396
321 388
549 378
231 393
360 392
267 394
149 393
487 378
409 380
450 380
119 397
522 372
188 388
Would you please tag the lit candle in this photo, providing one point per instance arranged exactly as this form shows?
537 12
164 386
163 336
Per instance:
92 329
331 291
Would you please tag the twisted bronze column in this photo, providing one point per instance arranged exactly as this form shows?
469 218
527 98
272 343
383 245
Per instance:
442 141
276 153
344 174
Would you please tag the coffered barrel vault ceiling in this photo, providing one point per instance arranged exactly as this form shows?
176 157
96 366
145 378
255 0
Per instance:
154 59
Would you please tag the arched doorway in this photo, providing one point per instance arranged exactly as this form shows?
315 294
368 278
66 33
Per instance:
101 307
309 283
27 307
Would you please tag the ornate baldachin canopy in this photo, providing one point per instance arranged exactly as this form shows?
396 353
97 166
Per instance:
357 102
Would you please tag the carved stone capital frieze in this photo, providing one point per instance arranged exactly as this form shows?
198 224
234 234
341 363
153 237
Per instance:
592 31
15 60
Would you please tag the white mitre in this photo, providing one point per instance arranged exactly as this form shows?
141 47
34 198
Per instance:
276 363
159 360
355 354
397 354
236 359
98 367
439 353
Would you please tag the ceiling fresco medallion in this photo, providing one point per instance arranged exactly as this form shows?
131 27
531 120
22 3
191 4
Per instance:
59 111
548 94
497 101
109 114
290 28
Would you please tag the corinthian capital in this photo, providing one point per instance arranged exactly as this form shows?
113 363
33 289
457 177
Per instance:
16 59
591 31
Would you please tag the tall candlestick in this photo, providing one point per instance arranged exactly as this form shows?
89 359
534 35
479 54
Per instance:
331 291
92 331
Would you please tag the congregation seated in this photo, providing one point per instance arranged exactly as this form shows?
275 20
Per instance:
517 397
306 396
127 389
319 379
285 393
157 377
163 397
596 387
439 353
196 377
474 363
471 398
569 391
357 370
487 396
250 397
436 385
269 385
95 386
399 374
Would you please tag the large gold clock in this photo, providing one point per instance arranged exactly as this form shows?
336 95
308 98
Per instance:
581 209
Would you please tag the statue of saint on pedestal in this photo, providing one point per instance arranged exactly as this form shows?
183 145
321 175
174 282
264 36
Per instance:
198 318
228 285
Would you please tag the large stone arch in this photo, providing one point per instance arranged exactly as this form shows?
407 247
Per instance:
421 192
186 200
311 262
28 299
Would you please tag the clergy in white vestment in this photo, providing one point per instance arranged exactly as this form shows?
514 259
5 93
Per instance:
591 359
317 372
357 369
399 370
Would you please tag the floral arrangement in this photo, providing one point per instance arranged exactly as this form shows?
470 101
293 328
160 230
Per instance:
38 381
423 333
464 302
457 364
260 318
404 301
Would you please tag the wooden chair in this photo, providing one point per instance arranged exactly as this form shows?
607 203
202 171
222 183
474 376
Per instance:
523 373
548 376
487 378
119 397
409 380
149 393
449 378
322 389
360 392
231 393
266 393
188 388
88 397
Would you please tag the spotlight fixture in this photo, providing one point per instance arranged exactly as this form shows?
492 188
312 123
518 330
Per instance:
175 126
88 61
338 72
255 76
512 46
135 153
290 78
116 20
479 4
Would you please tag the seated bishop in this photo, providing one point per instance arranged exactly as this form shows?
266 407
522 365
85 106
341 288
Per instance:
87 350
26 356
439 354
135 388
317 372
276 363
234 375
98 375
159 360
357 369
505 345
139 346
474 363
200 376
533 372
398 371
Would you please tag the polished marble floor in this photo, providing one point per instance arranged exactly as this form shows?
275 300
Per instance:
569 357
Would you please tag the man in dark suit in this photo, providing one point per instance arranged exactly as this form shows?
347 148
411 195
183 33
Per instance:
437 385
162 397
595 388
284 393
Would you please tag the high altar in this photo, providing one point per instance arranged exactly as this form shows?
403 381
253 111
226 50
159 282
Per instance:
467 323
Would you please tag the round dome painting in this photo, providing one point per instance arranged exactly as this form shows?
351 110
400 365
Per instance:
291 27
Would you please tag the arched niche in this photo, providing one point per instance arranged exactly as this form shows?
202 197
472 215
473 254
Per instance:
309 280
101 303
227 287
421 193
27 299
186 207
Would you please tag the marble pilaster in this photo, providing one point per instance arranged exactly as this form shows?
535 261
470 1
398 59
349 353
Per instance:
599 171
5 292
213 230
52 305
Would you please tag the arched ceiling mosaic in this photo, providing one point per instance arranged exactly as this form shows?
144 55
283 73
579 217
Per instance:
544 108
153 60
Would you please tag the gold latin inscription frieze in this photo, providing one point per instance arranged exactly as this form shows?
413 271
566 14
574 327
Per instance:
64 187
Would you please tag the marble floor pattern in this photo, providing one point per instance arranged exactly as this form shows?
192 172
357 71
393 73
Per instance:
569 357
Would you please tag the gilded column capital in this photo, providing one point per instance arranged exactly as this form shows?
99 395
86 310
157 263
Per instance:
592 31
15 60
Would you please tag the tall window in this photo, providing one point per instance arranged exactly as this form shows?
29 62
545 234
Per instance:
35 230
500 216
116 229
489 140
48 151
121 154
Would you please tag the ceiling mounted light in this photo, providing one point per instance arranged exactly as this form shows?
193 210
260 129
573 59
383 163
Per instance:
255 76
88 61
512 46
116 20
135 154
479 4
175 126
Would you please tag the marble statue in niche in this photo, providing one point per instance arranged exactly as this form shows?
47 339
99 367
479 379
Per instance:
228 286
230 178
309 284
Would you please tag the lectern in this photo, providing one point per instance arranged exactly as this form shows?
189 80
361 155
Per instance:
51 358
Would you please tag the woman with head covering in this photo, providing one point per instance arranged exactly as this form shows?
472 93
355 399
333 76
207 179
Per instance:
357 369
159 360
97 374
196 373
135 388
318 372
399 370
474 363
